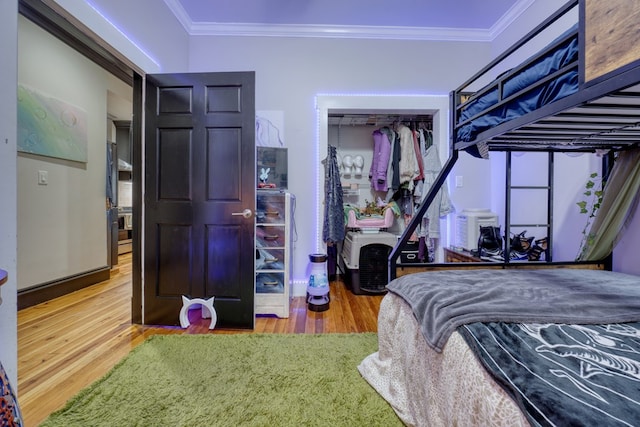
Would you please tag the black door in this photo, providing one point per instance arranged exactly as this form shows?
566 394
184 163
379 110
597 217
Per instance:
199 179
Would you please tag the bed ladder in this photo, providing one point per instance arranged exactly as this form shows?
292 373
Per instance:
548 226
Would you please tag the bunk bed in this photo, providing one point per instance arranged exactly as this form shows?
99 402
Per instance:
454 344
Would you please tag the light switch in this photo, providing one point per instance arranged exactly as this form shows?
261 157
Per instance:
43 177
458 181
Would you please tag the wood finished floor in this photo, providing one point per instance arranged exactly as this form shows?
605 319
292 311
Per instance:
67 343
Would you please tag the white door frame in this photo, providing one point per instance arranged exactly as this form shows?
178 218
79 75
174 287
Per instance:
436 105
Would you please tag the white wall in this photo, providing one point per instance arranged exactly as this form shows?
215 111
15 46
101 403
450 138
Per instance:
150 25
62 226
144 32
292 72
535 14
8 194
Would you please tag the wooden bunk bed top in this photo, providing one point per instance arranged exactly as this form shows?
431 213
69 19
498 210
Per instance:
566 97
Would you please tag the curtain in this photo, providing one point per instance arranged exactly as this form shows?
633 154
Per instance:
618 204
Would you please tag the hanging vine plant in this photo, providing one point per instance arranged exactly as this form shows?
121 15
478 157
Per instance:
594 191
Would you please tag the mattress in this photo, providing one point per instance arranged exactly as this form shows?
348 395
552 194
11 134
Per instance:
527 86
539 347
429 388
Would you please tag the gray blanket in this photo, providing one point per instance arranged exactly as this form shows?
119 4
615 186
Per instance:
444 300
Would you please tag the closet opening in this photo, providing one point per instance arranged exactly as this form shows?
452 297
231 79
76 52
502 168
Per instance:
347 122
359 147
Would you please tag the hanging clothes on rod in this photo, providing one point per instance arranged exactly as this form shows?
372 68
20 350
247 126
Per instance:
334 224
380 161
408 165
393 173
429 230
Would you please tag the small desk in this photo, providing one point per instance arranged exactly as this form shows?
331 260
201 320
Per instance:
454 255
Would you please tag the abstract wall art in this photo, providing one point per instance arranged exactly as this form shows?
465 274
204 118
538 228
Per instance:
50 127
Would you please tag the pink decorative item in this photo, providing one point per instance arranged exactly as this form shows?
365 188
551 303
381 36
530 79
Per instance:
385 222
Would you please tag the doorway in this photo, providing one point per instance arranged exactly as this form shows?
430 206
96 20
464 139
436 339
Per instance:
436 106
199 197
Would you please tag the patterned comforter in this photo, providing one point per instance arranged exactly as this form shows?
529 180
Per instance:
564 375
563 344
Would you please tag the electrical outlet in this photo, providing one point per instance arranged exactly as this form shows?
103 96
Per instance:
43 177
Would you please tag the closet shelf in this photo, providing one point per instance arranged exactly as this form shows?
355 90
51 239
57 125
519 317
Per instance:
348 190
377 119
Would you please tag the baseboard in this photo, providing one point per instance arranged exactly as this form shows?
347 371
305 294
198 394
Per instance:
299 288
114 271
47 291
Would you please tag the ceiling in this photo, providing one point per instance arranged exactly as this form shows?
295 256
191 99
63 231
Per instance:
416 19
462 20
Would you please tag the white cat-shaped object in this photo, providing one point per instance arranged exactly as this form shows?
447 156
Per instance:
206 304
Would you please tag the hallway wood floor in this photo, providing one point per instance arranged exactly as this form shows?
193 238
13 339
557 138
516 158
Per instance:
68 343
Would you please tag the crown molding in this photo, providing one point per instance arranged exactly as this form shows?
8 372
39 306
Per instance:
338 32
508 18
178 11
345 31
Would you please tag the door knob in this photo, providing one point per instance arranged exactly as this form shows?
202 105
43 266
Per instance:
245 213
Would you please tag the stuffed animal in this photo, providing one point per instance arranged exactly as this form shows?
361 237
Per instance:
264 177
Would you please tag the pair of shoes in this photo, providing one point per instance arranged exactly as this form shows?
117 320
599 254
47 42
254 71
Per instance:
540 247
520 247
542 243
520 243
518 255
490 253
489 241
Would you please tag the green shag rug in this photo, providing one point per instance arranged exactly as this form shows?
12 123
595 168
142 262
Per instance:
235 380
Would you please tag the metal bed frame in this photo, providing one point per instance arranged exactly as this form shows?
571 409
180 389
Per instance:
603 114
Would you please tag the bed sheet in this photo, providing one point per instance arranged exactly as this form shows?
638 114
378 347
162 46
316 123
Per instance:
427 388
